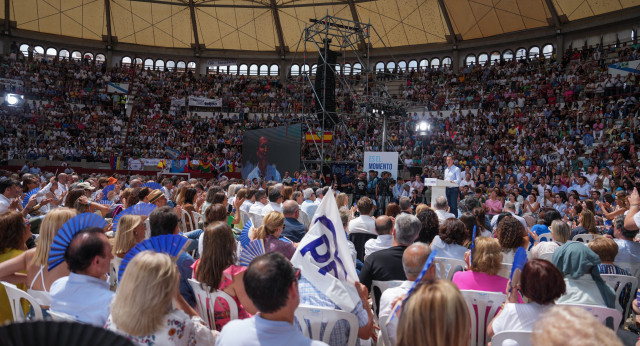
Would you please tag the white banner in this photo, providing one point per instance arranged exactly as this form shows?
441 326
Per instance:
134 164
324 259
151 162
178 102
624 68
11 82
117 88
381 161
204 102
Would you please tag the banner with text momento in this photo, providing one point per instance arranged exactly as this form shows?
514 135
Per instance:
381 161
324 259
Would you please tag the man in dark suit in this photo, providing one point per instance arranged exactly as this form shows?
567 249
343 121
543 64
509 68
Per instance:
293 229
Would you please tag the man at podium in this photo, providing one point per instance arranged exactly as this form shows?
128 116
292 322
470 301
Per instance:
452 173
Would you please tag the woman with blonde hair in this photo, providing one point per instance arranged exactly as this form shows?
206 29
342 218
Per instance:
287 191
484 263
131 231
270 231
342 200
560 233
216 270
34 261
417 325
142 308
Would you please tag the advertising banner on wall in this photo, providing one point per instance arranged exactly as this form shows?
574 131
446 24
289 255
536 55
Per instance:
624 68
381 161
204 102
268 153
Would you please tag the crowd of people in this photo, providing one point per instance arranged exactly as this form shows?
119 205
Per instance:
384 244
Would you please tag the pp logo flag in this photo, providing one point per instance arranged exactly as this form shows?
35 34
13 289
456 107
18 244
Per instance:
324 259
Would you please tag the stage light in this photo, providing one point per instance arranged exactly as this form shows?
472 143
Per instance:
13 99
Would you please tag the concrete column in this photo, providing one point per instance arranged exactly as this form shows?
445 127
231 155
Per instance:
559 47
455 60
284 69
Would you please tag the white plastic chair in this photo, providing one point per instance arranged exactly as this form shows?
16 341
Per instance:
304 218
207 300
384 332
59 316
603 314
183 219
618 283
114 268
256 219
446 267
381 286
520 337
545 237
585 238
505 270
317 316
632 267
197 218
483 307
15 295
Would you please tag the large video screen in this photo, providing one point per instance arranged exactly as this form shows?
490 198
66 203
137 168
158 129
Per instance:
268 153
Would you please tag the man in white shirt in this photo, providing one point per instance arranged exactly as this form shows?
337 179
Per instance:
363 223
509 208
260 203
10 192
467 181
628 250
275 202
582 188
452 173
384 228
308 206
441 209
413 259
84 294
248 202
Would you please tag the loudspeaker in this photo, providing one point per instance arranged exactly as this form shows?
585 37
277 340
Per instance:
325 86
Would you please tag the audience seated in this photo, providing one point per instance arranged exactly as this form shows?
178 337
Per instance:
579 266
293 229
157 313
131 231
560 233
568 325
628 249
385 230
413 260
363 223
216 270
430 225
542 283
270 231
450 239
85 294
277 305
511 235
14 232
434 298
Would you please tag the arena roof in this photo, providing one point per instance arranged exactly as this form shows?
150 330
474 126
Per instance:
269 25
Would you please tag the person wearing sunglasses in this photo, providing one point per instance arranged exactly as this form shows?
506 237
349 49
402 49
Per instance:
273 325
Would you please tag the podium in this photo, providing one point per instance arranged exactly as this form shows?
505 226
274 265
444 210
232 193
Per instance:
438 188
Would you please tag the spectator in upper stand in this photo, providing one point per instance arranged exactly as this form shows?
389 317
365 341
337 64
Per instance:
309 206
442 209
293 229
85 294
275 202
385 230
162 221
525 187
260 202
363 223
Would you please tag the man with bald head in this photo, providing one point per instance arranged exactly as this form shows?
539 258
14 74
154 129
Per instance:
413 259
384 228
293 229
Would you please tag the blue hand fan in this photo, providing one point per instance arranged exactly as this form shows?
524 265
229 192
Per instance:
244 235
69 229
171 244
425 268
143 209
28 195
253 250
106 190
473 242
153 185
285 239
519 260
105 202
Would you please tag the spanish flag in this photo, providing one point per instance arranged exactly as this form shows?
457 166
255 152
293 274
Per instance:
311 137
162 164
